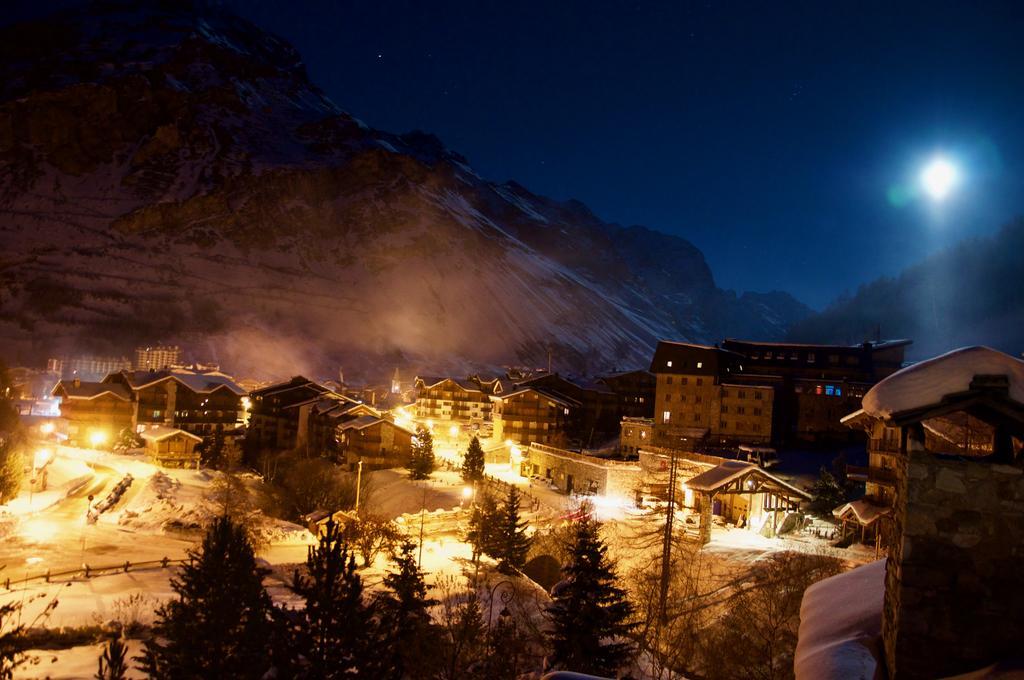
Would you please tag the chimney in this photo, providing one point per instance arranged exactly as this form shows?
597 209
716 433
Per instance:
953 597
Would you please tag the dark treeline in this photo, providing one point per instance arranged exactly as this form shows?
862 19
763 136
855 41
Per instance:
970 294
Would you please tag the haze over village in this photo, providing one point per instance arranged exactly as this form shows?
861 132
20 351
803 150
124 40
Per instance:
284 395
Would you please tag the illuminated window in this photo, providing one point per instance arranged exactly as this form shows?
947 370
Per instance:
830 390
700 364
669 364
839 392
666 416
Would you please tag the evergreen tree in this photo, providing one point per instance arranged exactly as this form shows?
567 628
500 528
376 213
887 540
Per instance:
421 460
473 462
212 450
462 638
222 623
484 527
113 663
827 493
589 612
12 440
405 617
336 631
512 542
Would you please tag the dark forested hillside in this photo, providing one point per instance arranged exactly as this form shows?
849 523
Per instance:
970 294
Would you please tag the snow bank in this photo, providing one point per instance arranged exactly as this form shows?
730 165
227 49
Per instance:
841 626
929 381
74 663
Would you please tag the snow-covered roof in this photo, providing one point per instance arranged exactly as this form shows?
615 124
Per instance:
157 433
547 394
201 382
90 390
841 626
863 510
731 470
719 476
926 383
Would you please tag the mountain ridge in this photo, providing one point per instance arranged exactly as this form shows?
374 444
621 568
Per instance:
172 174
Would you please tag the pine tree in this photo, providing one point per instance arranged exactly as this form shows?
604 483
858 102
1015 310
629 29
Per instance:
336 631
12 441
473 462
589 612
405 617
421 459
484 525
512 542
113 663
506 647
222 623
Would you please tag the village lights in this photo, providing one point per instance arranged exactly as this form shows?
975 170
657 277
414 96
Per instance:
41 458
46 428
467 491
97 437
453 430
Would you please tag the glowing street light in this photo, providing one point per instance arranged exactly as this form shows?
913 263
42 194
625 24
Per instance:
46 428
453 431
938 178
97 437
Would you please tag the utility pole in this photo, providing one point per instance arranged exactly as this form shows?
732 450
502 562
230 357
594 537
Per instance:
359 484
666 546
423 509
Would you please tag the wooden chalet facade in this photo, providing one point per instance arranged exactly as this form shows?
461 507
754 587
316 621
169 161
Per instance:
376 441
532 414
273 422
89 407
200 402
595 419
744 494
459 401
171 447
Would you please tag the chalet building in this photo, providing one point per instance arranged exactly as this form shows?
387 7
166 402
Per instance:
273 422
635 390
635 433
532 414
459 401
89 407
200 402
170 447
376 441
319 420
816 385
947 600
598 415
703 397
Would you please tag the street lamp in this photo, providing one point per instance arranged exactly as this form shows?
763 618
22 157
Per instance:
97 437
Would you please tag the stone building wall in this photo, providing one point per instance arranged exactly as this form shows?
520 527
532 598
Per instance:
589 474
954 596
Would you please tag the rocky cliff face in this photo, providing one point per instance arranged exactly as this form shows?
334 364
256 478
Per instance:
170 173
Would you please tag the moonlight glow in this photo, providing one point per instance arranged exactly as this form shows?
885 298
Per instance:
938 178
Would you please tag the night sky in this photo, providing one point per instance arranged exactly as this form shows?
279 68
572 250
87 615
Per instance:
785 142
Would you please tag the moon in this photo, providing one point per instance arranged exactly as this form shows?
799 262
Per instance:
938 178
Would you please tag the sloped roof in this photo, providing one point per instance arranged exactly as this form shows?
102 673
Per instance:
363 422
731 470
547 394
926 383
863 510
90 390
287 385
201 382
157 433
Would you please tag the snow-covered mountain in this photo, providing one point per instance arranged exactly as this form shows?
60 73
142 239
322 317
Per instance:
171 174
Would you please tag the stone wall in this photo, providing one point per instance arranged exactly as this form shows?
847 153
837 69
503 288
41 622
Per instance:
589 474
954 596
